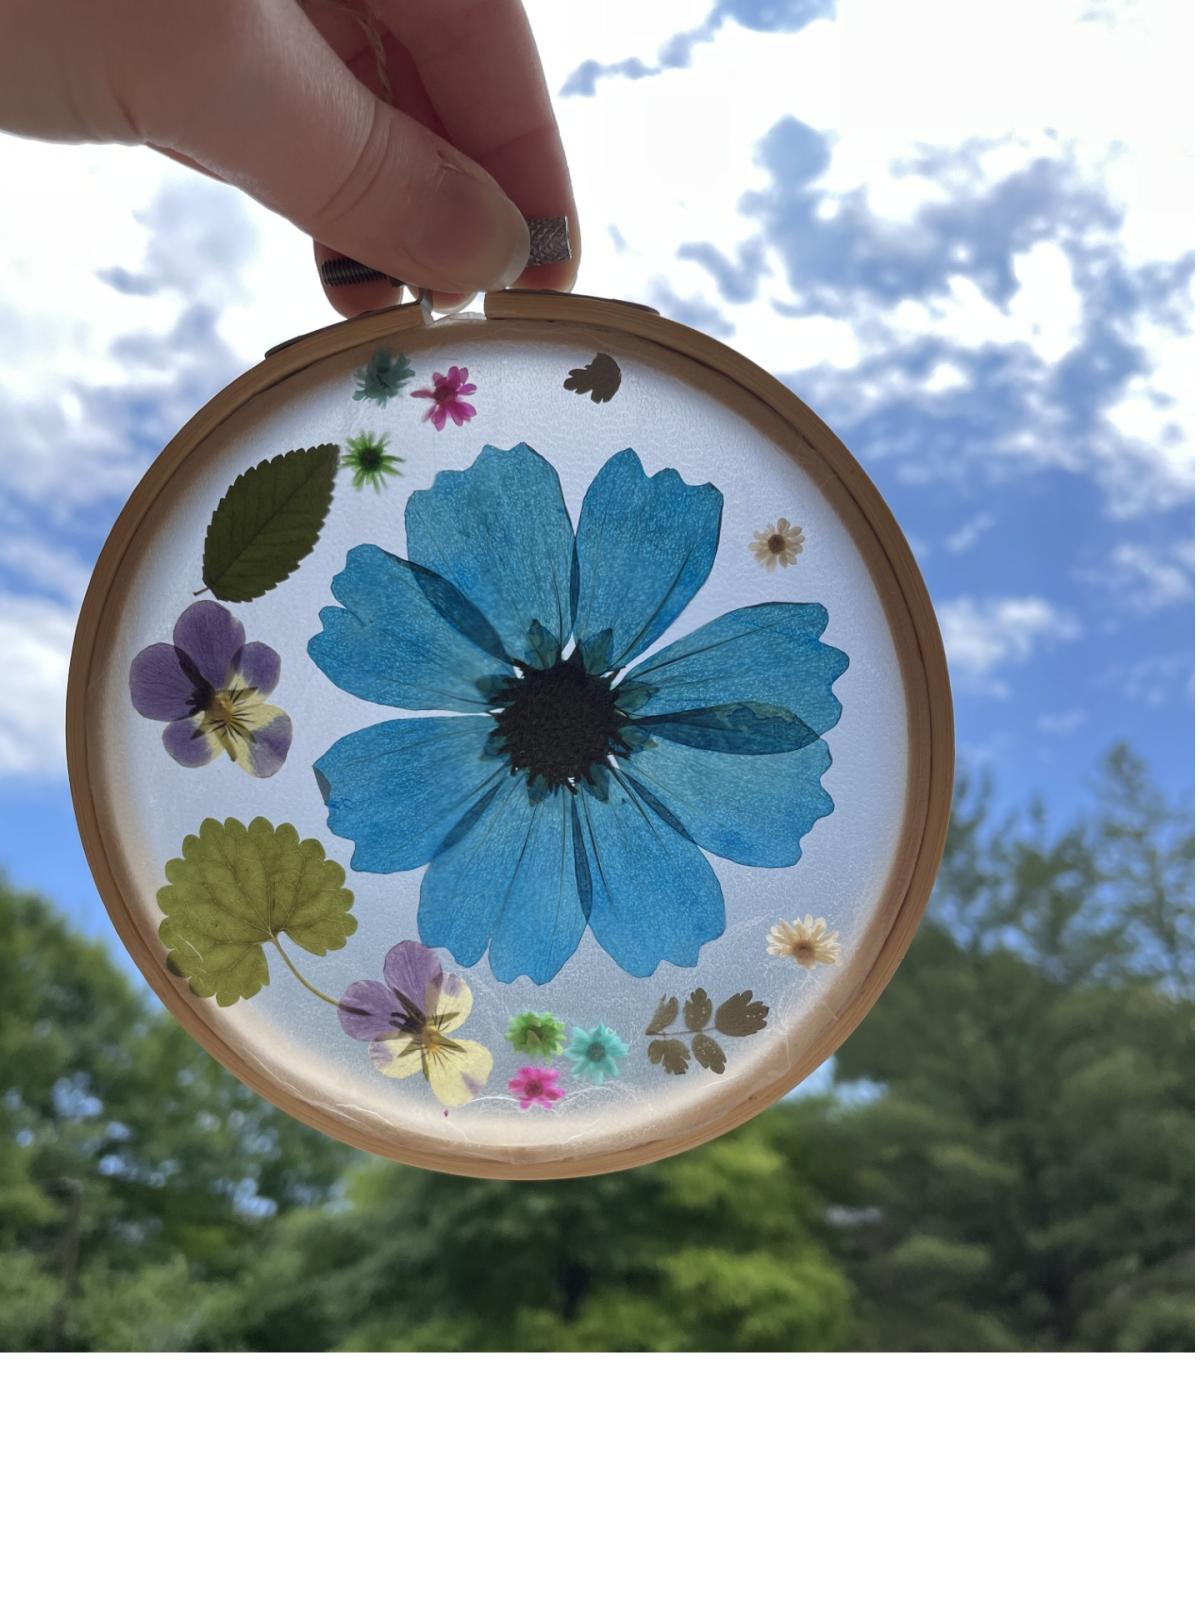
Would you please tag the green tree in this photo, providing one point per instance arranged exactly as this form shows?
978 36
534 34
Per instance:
1024 1179
134 1172
721 1249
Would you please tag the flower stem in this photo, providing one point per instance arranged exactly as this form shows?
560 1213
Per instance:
296 973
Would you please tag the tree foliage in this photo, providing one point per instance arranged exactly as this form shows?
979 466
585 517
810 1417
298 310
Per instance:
1004 1161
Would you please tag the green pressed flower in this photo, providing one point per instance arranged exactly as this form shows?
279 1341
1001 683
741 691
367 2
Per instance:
383 377
368 459
537 1033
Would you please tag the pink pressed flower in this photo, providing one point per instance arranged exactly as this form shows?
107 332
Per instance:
536 1086
445 394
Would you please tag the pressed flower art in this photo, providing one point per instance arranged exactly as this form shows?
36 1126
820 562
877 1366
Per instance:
447 396
536 1086
537 1033
596 1054
407 1022
808 941
579 781
780 544
368 459
383 377
601 378
209 686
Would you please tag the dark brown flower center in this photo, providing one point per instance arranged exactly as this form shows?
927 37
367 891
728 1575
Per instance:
776 543
557 723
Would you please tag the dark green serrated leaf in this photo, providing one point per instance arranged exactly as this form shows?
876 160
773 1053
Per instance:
740 1015
236 887
268 521
708 1053
664 1015
697 1009
670 1054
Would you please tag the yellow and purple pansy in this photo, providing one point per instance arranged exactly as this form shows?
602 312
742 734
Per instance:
407 1022
210 686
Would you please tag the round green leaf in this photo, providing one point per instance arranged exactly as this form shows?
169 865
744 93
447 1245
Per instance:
268 521
236 887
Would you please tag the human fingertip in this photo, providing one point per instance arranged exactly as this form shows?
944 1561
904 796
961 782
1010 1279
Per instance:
467 233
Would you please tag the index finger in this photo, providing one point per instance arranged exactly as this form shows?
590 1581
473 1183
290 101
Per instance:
480 67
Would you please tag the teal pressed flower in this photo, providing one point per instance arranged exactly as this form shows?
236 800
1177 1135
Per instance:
537 1033
367 457
596 1053
383 377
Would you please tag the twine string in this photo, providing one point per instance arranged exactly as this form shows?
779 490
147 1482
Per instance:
366 21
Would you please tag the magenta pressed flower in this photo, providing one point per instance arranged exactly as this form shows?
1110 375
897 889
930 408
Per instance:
536 1086
407 1020
209 686
447 389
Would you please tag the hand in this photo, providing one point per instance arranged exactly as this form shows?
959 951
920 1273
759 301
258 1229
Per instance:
284 99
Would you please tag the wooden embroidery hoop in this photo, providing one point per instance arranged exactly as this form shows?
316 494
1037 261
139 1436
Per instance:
777 411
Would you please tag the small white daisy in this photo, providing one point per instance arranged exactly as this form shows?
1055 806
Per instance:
781 544
808 941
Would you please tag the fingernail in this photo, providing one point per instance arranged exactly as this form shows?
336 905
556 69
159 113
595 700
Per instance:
468 233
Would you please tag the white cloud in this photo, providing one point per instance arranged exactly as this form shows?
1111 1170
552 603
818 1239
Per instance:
1147 578
43 566
867 76
1153 681
35 648
894 106
96 380
968 535
983 637
1061 723
1152 417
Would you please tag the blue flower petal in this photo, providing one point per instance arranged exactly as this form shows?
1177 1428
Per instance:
769 653
390 642
645 546
654 896
499 531
744 728
516 855
398 788
541 921
752 809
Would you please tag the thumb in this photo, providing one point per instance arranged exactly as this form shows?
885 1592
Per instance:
256 96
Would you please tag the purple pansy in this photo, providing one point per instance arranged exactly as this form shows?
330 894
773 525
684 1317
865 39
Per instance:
209 686
407 1021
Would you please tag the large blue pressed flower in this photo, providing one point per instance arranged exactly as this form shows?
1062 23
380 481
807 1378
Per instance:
577 791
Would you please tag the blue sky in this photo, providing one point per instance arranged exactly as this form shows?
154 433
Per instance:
961 233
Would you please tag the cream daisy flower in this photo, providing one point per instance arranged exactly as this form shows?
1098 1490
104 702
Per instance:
781 544
808 941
